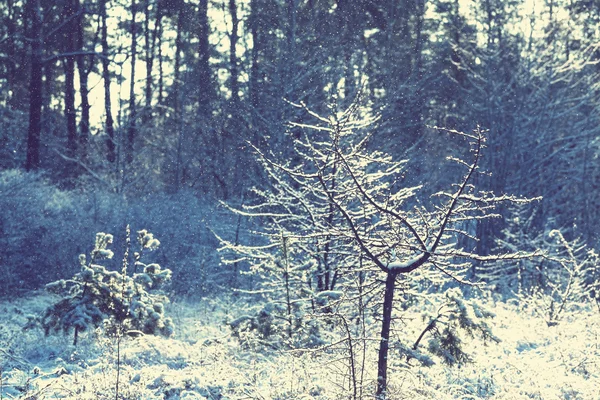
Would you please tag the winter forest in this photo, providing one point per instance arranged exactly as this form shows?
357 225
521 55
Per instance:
297 199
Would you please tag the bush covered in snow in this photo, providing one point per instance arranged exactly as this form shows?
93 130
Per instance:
121 301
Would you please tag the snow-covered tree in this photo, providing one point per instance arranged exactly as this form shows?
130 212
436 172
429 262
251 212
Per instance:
351 197
123 302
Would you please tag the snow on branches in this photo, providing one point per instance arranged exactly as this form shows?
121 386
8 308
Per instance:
97 296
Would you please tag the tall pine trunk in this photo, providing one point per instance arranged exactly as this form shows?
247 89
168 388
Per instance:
11 54
69 67
290 62
256 47
35 87
149 44
177 66
83 72
233 59
205 91
159 55
111 154
131 128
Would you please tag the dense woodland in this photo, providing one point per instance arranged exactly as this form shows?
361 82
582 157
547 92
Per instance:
157 97
330 162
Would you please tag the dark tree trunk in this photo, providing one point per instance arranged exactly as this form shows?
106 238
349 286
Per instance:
70 112
418 102
11 53
205 94
177 122
177 66
233 59
131 128
290 62
84 123
35 87
75 336
69 66
111 154
256 48
149 43
161 89
382 362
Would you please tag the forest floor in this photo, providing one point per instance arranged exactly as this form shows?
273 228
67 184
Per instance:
205 361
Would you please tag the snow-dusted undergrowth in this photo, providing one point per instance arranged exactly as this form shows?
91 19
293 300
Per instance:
204 360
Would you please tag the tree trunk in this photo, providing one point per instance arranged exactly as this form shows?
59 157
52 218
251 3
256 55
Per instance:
256 46
75 336
70 112
84 123
149 43
233 60
35 87
177 122
160 60
69 66
111 155
11 54
177 66
384 345
131 129
205 91
290 62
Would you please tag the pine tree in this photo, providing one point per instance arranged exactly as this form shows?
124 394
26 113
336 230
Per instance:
97 296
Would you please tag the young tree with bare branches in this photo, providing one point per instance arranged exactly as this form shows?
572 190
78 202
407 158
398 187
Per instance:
343 195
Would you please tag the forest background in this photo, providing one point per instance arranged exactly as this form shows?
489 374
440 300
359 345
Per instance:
144 110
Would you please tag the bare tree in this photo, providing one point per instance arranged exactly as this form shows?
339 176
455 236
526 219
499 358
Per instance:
338 178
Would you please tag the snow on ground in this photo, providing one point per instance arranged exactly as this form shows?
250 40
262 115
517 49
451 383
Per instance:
204 361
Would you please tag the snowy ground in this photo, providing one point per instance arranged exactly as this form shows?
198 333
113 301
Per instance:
204 361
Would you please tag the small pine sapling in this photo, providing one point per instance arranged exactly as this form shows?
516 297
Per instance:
97 296
457 315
